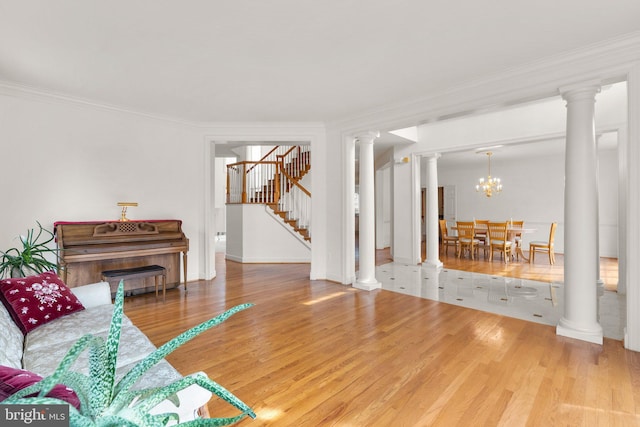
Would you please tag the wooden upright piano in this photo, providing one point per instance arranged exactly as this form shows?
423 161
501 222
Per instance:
89 248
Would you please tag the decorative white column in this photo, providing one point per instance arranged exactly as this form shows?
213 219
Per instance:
367 271
580 318
433 252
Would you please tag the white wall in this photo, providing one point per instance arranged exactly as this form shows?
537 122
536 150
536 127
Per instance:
403 223
339 181
66 161
534 192
383 208
608 187
73 161
255 236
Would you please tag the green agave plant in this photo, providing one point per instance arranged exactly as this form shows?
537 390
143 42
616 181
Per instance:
31 258
103 402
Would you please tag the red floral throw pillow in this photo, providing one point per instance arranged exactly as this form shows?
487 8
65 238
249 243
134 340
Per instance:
12 380
35 300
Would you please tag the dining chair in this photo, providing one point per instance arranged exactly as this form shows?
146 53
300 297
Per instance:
540 246
517 236
499 240
446 239
481 230
466 238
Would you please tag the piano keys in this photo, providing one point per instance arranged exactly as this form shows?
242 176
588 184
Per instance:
89 248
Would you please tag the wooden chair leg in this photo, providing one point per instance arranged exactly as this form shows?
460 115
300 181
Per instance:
164 288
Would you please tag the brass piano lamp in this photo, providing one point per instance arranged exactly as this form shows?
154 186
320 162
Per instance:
124 206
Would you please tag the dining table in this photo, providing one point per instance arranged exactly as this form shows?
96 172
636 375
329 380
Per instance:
512 233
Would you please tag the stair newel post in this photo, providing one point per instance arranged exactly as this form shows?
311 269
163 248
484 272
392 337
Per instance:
276 183
228 184
267 180
244 182
297 164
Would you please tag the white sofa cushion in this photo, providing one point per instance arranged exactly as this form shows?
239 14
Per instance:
11 340
43 360
93 320
93 294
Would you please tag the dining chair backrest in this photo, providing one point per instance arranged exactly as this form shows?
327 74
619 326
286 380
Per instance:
552 233
443 228
466 229
481 224
498 231
517 234
481 230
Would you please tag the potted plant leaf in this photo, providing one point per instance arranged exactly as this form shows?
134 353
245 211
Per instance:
107 402
34 257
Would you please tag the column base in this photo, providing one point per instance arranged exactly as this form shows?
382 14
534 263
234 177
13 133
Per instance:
367 285
433 263
567 328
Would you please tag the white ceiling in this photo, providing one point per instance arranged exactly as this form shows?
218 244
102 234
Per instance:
285 60
520 152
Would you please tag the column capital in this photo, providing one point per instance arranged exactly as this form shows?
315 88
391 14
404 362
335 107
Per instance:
367 136
586 89
432 156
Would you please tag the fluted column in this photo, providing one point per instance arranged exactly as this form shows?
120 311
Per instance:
433 253
580 318
367 243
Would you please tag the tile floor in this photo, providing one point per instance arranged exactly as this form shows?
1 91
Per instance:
520 298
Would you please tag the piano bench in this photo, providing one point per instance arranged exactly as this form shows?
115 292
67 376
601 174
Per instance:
154 271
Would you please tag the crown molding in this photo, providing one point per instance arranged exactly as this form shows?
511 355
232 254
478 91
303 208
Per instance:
259 126
30 92
608 61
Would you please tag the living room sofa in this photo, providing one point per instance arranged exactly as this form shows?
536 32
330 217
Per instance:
41 349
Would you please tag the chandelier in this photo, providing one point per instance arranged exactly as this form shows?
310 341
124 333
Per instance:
490 185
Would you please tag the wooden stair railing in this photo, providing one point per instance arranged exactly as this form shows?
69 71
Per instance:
275 181
295 205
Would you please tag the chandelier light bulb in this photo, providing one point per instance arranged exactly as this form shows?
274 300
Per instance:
490 185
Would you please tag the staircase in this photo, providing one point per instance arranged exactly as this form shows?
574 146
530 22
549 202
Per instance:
291 222
275 181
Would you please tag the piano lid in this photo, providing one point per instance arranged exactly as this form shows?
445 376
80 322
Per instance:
55 224
96 233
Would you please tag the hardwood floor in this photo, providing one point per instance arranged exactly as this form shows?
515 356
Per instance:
312 353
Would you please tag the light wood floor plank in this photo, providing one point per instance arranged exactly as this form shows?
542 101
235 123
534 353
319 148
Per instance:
315 353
